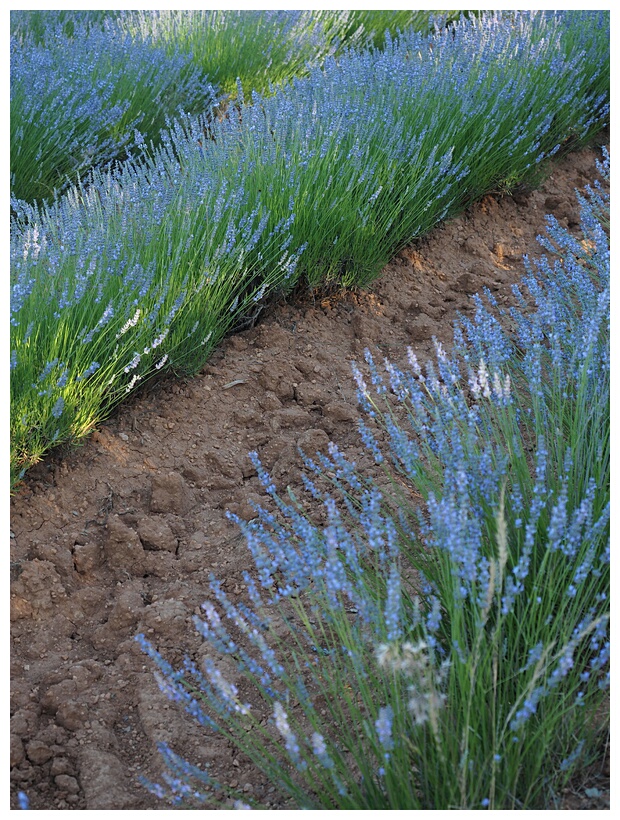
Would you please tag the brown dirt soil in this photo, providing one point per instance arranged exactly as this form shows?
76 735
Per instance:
119 536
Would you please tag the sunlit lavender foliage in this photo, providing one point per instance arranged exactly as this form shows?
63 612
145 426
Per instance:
77 100
256 48
140 271
451 656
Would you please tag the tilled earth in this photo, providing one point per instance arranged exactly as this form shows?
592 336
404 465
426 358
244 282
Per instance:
120 536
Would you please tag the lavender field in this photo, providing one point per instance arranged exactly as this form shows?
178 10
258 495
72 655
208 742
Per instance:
430 631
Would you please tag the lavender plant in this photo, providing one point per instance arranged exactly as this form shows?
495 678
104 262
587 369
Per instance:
109 287
39 23
372 27
257 49
321 182
77 100
451 656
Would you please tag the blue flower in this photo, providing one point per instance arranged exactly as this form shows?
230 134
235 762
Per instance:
383 725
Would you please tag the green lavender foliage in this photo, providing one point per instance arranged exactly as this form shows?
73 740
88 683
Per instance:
38 24
453 656
256 49
110 287
78 99
374 27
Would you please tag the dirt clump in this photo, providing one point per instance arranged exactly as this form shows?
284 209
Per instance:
120 536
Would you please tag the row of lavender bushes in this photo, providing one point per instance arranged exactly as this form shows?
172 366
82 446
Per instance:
451 656
144 268
83 82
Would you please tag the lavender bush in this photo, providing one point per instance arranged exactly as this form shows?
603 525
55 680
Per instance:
111 286
451 656
410 161
256 49
38 23
148 265
77 100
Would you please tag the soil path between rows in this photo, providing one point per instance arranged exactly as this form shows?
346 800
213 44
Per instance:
120 536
